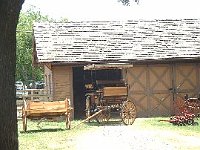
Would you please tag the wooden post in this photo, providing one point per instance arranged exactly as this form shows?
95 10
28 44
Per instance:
31 94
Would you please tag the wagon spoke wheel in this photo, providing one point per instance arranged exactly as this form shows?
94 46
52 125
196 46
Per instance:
104 116
128 112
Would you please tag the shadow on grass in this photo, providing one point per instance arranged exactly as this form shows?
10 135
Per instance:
106 123
43 130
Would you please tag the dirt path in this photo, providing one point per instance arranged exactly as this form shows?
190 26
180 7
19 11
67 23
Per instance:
128 138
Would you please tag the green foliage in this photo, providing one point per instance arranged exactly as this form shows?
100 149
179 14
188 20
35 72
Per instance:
127 2
24 67
156 124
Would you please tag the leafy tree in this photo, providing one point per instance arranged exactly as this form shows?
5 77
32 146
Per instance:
127 2
24 64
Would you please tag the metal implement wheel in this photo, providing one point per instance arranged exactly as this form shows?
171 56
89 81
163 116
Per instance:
128 113
181 123
190 121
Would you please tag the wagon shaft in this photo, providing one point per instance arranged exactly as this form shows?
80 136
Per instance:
90 117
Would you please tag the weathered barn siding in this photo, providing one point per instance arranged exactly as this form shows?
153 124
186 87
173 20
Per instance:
62 83
48 80
155 88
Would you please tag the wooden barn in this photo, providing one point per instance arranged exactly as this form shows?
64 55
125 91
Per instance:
159 59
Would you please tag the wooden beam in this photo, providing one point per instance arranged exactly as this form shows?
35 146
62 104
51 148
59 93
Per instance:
48 65
107 66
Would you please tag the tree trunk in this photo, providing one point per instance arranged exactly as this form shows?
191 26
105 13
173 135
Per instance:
9 14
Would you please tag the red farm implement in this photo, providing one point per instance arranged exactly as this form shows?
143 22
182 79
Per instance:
188 110
185 118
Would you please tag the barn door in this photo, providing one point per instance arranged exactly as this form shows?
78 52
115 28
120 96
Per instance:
137 80
149 89
160 97
156 88
186 80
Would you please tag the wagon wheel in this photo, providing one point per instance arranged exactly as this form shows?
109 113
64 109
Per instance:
24 119
128 112
104 116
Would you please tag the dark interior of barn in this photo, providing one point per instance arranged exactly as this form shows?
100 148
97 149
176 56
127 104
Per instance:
81 78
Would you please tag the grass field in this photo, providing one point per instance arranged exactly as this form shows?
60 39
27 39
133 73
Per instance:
154 123
53 135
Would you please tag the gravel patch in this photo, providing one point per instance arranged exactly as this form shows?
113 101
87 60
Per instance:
122 137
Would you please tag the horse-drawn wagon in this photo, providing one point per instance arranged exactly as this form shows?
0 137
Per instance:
108 97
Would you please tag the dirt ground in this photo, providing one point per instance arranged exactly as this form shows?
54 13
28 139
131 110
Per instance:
121 137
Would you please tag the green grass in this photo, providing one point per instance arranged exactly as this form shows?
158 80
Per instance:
155 123
49 135
54 136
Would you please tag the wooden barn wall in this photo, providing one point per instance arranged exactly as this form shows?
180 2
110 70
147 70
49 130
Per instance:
48 80
62 83
155 88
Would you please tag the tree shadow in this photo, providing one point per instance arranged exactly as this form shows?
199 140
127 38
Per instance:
106 123
43 130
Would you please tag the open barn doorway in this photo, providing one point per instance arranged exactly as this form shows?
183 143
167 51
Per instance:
78 92
92 76
83 77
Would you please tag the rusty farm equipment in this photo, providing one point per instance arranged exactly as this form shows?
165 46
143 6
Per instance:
189 109
184 118
192 104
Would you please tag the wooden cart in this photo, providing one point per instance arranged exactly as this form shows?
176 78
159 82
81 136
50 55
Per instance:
108 98
40 109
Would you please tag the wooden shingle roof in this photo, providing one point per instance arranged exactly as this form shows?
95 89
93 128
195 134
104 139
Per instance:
117 41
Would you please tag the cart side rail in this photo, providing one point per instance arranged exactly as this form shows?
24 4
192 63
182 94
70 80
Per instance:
115 91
